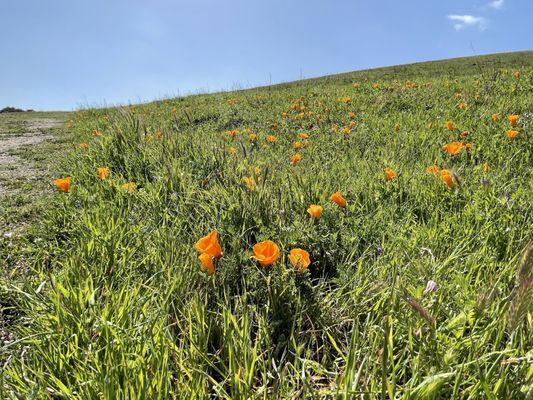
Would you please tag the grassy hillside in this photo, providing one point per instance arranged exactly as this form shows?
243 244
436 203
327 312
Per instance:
415 287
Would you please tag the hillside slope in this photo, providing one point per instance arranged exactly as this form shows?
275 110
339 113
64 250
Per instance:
407 283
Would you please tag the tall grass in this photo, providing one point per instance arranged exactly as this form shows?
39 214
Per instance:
117 305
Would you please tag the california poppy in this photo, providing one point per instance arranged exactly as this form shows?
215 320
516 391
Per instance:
468 146
453 148
346 100
513 119
447 178
129 187
338 199
351 115
271 138
346 131
449 125
207 263
315 211
299 259
495 117
297 145
266 253
63 184
252 137
295 159
102 172
511 134
209 244
84 145
303 135
249 182
390 174
233 132
517 74
462 106
434 170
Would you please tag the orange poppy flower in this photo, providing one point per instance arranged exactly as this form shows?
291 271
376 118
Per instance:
513 119
84 145
63 184
346 100
295 159
447 178
299 259
449 125
511 134
266 253
252 137
468 146
207 263
306 143
352 124
346 131
294 106
271 138
434 170
233 133
297 145
103 173
351 115
453 148
303 135
174 110
390 174
517 74
129 187
284 115
462 106
495 117
209 244
315 211
249 182
338 199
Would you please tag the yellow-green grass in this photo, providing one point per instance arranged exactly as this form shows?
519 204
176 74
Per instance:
117 305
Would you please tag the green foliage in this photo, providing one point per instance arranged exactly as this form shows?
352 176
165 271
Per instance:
124 310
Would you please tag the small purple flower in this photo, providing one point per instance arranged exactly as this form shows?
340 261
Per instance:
430 287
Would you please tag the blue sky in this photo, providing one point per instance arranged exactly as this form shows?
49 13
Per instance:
62 54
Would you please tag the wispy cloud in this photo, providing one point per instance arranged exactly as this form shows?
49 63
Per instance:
496 4
465 21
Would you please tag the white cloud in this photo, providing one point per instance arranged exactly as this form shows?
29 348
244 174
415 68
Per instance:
464 21
496 4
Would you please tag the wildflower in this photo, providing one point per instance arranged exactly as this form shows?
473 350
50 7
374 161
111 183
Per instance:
446 177
306 143
102 173
468 146
84 145
338 199
294 106
517 74
63 184
351 115
303 135
253 137
495 117
390 174
233 132
284 115
449 125
295 159
352 124
297 145
271 138
511 134
462 106
453 148
434 170
299 259
315 211
513 119
174 110
207 263
266 253
249 182
430 287
129 187
346 131
209 245
346 100
464 134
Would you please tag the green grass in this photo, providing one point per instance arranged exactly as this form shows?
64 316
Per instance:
118 307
